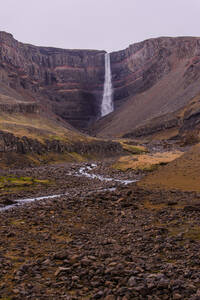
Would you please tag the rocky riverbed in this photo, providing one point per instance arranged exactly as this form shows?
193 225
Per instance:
61 179
95 242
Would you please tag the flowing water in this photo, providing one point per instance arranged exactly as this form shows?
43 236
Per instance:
83 171
107 103
28 200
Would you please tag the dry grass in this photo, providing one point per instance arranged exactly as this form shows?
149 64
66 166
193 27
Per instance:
36 127
182 174
145 162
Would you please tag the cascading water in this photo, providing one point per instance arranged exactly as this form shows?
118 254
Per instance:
107 102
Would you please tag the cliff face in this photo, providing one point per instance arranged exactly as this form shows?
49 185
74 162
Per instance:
71 79
139 67
151 79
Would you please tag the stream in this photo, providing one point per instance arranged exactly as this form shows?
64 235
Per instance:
83 171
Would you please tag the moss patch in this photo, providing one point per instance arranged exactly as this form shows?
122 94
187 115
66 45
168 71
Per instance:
131 146
133 149
13 184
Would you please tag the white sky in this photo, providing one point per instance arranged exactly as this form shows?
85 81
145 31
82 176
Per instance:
98 24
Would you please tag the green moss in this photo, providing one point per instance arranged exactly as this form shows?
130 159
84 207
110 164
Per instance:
133 149
9 183
77 157
41 181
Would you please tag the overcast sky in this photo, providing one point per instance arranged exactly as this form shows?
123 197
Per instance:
98 24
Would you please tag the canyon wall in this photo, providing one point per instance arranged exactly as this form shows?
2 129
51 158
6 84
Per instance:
141 65
150 79
71 81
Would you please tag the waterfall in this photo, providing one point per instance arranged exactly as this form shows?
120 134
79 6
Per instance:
107 102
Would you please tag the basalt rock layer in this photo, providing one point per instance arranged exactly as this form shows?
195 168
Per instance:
152 79
69 81
24 145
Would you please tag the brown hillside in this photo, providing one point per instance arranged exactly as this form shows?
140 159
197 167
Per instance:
183 173
158 77
69 82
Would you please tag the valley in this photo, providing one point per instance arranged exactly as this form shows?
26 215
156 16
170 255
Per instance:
98 239
99 171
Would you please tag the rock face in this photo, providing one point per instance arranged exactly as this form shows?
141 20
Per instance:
151 79
71 79
142 65
12 144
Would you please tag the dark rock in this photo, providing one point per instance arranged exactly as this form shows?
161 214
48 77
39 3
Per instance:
191 208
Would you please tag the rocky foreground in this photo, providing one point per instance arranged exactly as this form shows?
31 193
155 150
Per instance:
130 243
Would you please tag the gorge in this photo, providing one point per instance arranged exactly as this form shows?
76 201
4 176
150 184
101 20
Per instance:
99 171
69 84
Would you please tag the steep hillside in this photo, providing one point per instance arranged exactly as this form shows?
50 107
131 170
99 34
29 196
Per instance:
70 82
30 131
151 79
183 124
156 85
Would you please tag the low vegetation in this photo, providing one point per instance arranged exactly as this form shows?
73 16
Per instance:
37 127
180 174
131 146
145 162
12 184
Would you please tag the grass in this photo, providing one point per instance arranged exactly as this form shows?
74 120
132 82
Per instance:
180 174
133 149
41 128
154 206
129 146
188 231
77 157
145 162
13 184
37 127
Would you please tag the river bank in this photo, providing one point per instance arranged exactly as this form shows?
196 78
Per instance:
98 237
61 179
124 244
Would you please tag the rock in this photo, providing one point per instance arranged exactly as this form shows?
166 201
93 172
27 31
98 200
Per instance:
10 234
60 255
74 259
132 282
191 208
70 76
110 297
172 203
177 296
62 270
47 262
98 295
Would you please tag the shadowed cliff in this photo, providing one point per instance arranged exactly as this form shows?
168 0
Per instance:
70 82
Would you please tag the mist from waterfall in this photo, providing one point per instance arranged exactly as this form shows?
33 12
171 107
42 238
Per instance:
107 103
